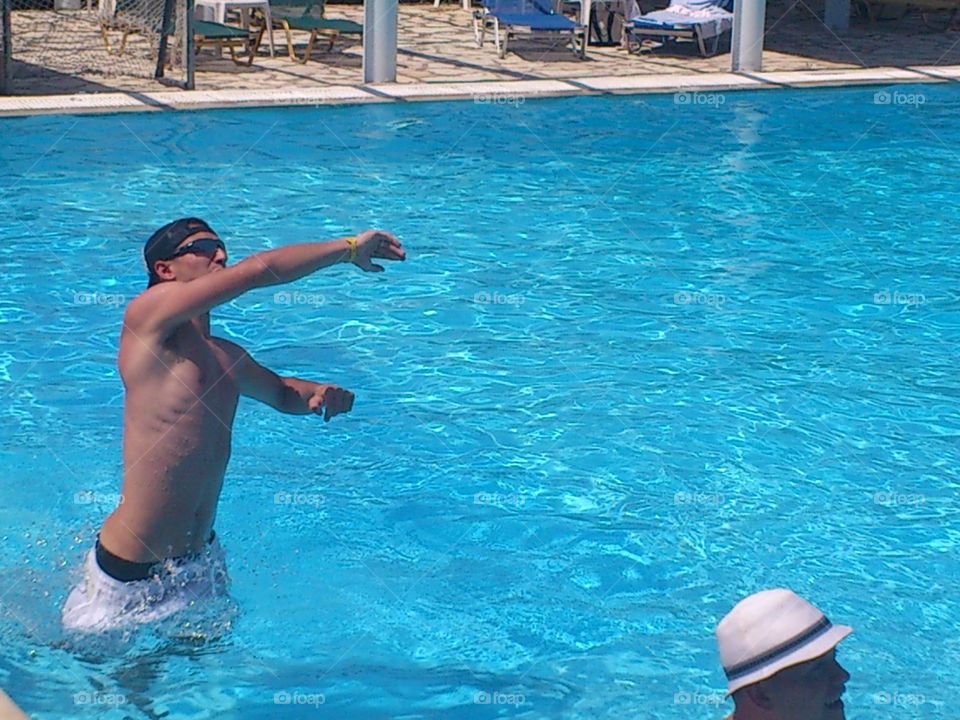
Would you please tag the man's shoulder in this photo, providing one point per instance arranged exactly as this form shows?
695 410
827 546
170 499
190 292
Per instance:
140 329
138 309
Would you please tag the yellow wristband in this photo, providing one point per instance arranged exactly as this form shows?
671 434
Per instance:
352 242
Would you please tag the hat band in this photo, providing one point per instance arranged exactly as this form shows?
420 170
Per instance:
803 638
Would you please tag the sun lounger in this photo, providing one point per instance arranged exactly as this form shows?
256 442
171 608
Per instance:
538 16
875 9
307 16
211 33
698 20
116 18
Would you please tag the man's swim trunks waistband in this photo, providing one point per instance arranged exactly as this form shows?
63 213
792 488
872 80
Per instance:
129 571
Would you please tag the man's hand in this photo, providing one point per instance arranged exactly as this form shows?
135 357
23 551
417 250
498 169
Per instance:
330 400
377 244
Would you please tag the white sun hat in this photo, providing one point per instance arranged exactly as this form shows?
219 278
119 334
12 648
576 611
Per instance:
769 631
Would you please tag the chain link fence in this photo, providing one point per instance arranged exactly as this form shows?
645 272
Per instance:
94 45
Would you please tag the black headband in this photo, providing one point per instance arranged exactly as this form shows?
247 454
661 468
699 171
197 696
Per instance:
163 243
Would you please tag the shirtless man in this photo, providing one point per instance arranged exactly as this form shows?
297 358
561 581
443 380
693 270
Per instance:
157 552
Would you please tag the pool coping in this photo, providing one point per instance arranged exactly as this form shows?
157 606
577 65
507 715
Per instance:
490 91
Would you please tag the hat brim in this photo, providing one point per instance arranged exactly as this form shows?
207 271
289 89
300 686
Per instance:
814 649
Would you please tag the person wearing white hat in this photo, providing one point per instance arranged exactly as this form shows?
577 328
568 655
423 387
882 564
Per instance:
778 653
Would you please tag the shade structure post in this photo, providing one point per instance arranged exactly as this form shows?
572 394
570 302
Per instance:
746 46
6 46
379 41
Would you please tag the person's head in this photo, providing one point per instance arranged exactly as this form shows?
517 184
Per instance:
183 250
779 654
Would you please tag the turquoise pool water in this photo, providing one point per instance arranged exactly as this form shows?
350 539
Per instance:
645 358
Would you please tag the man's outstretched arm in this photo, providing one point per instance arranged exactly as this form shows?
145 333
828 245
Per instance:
296 261
169 305
288 395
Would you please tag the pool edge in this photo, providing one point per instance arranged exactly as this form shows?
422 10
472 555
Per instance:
479 91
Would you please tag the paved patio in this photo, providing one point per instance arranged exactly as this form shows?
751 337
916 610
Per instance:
63 53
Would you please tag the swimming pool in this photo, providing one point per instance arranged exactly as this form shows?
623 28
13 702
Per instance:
647 356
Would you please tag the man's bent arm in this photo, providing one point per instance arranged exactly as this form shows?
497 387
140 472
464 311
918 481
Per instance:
297 394
288 395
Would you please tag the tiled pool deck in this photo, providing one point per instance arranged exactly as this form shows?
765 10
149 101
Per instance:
439 59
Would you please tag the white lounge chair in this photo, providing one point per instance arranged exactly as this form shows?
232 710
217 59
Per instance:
698 20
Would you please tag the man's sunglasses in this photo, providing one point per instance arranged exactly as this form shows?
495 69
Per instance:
204 246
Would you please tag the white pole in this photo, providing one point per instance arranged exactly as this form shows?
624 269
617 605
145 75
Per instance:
380 41
585 19
746 46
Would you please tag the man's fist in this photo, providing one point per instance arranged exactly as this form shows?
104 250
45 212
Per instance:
330 400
